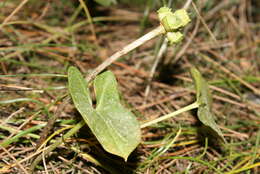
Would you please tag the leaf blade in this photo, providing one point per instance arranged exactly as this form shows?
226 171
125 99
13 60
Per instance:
204 98
125 126
79 92
115 127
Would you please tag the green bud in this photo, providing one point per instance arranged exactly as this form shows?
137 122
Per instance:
163 11
173 21
174 37
183 16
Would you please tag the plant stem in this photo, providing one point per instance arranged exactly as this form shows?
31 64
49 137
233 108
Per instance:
71 132
184 109
152 34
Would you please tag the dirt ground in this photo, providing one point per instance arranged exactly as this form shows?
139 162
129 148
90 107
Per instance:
39 40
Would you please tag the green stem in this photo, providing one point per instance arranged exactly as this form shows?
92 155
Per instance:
184 109
152 34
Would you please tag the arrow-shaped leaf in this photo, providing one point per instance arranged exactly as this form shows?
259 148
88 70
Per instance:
115 127
204 99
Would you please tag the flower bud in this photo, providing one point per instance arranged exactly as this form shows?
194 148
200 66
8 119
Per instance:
174 37
173 21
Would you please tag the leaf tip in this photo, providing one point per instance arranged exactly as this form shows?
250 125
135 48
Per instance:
72 69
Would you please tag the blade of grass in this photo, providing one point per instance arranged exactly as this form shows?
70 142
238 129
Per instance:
35 75
14 12
5 143
19 100
14 131
228 72
207 164
247 167
89 20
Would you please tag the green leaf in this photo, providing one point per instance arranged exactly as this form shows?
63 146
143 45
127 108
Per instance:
204 99
80 95
115 127
106 2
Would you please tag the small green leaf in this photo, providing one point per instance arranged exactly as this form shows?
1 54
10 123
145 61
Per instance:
106 2
204 99
115 127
